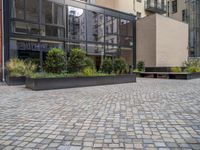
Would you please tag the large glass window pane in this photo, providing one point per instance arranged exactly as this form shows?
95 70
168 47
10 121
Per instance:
70 46
76 24
127 54
95 49
25 49
111 50
18 9
32 10
58 12
111 30
52 31
47 8
125 27
25 28
95 27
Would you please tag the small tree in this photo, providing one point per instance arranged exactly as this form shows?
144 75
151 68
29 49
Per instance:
76 60
120 66
107 66
141 66
55 61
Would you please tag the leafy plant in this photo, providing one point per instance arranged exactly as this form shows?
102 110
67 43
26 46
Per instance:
193 69
141 66
107 66
30 67
87 71
192 65
55 61
76 61
89 63
176 69
17 67
120 66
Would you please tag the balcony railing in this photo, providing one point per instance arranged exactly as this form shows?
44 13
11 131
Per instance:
155 6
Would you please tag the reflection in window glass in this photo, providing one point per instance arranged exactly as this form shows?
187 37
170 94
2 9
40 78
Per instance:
70 46
111 30
18 9
125 27
25 28
112 50
76 24
31 10
47 12
95 27
58 12
95 49
54 31
127 54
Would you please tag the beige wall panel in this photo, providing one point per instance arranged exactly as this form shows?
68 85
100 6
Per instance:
146 40
172 42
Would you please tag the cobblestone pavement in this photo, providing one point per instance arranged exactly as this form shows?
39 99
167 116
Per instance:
149 114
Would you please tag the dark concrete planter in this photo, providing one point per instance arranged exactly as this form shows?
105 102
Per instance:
170 75
72 82
15 80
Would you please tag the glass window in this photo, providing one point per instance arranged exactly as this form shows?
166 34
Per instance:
47 12
18 9
70 46
95 27
76 24
95 49
125 27
32 10
52 31
125 33
127 54
111 50
58 12
25 28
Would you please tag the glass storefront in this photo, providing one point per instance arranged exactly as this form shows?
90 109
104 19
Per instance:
39 25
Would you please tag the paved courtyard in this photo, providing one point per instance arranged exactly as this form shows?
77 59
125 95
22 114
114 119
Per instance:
149 114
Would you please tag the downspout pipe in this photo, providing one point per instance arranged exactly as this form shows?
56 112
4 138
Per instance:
3 49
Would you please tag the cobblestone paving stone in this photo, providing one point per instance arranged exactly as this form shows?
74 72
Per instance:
150 114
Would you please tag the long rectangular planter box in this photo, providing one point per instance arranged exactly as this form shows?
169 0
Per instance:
71 82
170 75
11 81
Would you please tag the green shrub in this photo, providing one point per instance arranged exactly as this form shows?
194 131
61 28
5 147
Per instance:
141 66
55 61
193 69
17 67
88 71
89 63
30 67
136 71
107 66
120 66
192 65
176 69
76 61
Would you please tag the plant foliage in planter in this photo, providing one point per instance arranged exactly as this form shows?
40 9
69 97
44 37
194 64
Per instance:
55 61
176 69
76 60
107 66
18 68
141 66
120 66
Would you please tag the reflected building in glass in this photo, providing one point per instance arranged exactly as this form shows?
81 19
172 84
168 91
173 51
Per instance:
35 26
193 18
